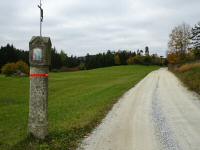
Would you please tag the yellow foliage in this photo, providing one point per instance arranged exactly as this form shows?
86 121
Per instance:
117 60
173 58
9 69
22 66
12 68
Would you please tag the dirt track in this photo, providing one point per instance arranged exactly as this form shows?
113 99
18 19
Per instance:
158 113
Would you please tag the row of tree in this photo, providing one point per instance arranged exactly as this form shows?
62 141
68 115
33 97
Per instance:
184 44
110 58
60 60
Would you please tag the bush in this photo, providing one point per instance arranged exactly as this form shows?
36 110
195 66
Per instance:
22 67
19 68
9 69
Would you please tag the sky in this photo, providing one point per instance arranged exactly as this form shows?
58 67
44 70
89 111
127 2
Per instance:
92 26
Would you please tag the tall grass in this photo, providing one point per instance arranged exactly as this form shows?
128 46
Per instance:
190 75
188 67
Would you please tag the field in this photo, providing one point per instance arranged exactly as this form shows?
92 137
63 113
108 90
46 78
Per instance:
77 103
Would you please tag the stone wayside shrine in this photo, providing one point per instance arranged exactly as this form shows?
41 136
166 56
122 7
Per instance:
39 59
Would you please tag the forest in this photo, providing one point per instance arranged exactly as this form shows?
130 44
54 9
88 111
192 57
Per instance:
60 61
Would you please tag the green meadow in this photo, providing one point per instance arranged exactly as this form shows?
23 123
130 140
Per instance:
78 101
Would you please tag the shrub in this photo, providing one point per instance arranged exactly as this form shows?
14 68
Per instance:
19 68
9 69
22 67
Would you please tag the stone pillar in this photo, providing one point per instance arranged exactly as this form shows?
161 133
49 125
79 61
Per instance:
39 58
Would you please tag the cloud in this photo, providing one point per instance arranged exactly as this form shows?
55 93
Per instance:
85 26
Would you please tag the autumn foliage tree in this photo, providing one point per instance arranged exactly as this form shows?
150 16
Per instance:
180 38
117 59
179 41
173 58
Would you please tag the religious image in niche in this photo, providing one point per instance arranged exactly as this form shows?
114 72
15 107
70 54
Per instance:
37 54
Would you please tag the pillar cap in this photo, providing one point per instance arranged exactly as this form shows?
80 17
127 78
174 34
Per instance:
40 51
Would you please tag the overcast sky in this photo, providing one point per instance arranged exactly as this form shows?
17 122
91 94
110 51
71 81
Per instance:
91 26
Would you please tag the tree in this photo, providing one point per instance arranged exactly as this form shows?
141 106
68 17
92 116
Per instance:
195 37
117 60
196 40
138 52
10 54
63 58
56 62
173 58
147 60
138 60
146 51
180 39
109 58
179 43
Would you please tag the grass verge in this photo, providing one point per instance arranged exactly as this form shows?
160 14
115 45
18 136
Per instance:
78 101
189 74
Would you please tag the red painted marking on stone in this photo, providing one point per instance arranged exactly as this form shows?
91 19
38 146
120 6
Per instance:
38 75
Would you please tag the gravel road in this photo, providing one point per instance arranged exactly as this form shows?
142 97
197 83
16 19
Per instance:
157 114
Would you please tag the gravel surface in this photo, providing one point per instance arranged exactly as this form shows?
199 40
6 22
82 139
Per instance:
157 114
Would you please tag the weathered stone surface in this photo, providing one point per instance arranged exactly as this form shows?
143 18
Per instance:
38 105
